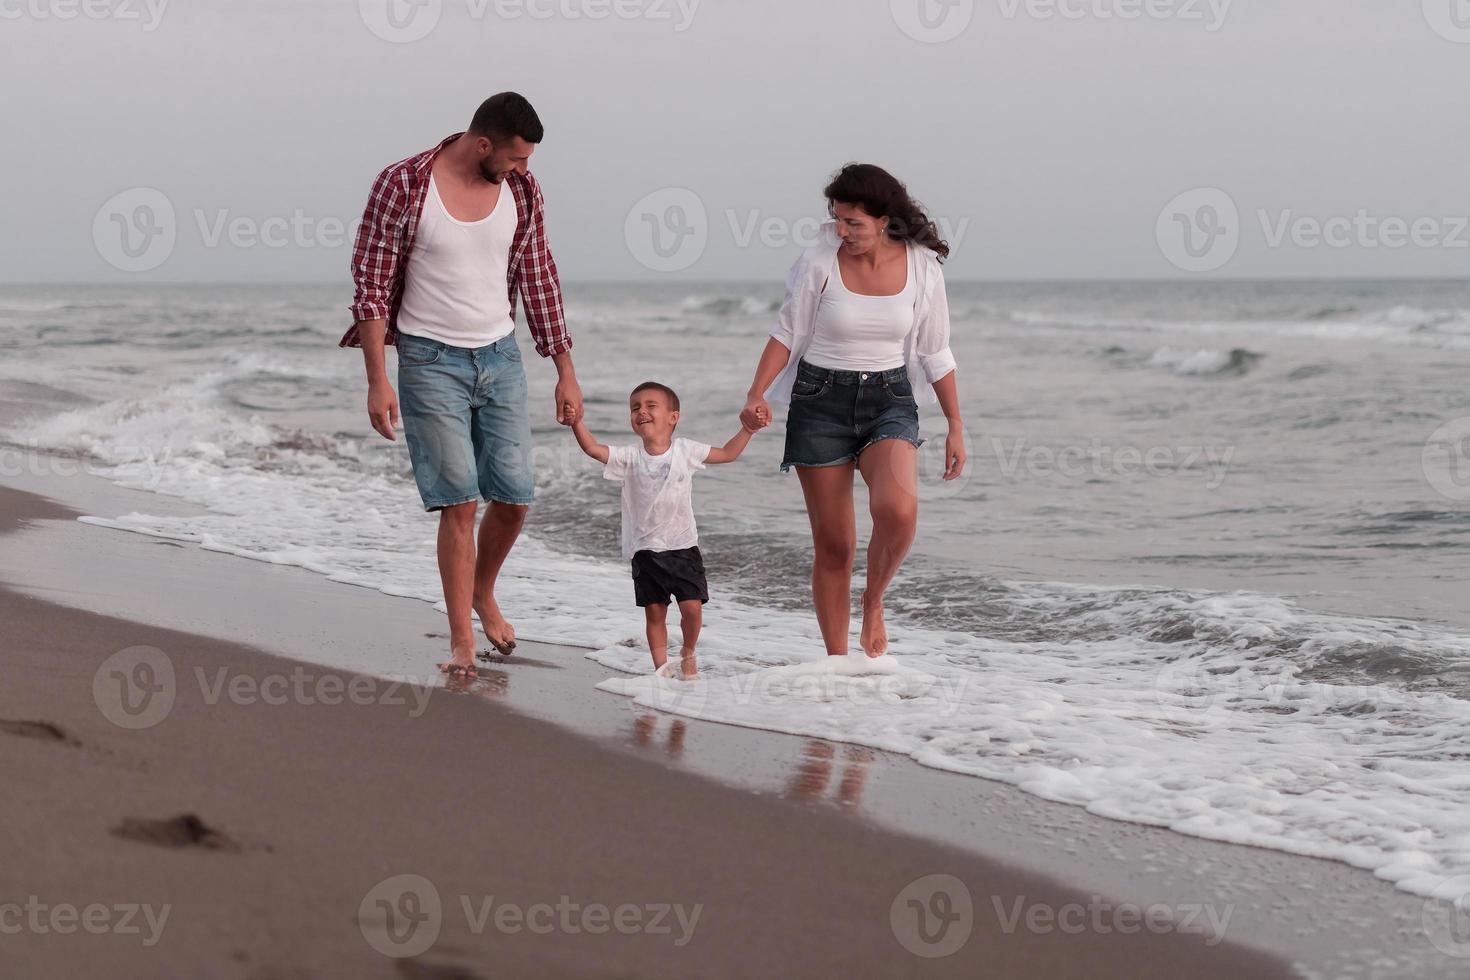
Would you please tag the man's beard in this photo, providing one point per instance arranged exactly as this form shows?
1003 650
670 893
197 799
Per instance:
490 175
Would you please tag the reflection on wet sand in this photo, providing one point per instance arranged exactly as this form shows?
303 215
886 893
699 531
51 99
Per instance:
495 683
814 772
645 733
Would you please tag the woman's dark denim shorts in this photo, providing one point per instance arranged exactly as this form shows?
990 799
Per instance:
835 415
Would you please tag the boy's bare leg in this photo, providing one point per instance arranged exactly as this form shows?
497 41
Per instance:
658 633
691 618
499 529
456 550
855 776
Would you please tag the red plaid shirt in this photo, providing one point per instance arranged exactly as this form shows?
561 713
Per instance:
385 241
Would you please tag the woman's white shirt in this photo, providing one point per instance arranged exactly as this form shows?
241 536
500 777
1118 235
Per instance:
858 332
927 356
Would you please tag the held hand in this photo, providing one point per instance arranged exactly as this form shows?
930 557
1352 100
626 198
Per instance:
756 414
568 400
383 409
954 454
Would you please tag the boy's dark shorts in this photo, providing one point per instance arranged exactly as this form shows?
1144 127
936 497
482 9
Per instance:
660 574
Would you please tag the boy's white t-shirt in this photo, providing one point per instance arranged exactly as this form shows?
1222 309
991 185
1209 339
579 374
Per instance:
658 499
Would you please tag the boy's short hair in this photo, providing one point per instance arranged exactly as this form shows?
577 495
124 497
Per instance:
669 393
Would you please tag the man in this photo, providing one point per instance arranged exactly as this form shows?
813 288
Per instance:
442 252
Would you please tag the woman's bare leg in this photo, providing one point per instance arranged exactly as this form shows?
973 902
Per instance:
890 468
828 492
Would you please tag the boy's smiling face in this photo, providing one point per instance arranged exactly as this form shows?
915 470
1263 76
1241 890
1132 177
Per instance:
651 416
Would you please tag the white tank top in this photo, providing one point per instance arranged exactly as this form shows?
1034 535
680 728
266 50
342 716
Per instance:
862 333
455 289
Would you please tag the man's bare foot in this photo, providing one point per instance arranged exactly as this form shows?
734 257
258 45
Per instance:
688 666
500 633
461 662
874 638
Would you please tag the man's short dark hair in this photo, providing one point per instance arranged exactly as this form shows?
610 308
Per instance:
655 386
505 115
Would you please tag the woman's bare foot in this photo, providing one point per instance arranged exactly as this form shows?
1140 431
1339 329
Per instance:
500 633
461 662
688 665
874 638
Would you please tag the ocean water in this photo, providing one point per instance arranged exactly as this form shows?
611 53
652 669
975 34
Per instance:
1207 569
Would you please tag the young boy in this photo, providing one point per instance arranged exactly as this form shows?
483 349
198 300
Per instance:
659 536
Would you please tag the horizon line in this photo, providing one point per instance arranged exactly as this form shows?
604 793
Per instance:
1176 280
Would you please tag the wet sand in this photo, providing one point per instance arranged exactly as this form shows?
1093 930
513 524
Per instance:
260 826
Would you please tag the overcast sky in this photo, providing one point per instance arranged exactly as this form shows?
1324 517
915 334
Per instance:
690 139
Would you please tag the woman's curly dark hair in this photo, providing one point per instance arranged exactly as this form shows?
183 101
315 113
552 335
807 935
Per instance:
883 195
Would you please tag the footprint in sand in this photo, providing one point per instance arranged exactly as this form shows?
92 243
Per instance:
41 730
187 830
419 970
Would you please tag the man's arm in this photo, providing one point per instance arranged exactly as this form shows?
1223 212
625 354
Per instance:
382 400
730 451
588 442
568 390
377 252
540 286
375 258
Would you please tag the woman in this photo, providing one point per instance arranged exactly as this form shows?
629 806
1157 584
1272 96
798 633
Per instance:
861 342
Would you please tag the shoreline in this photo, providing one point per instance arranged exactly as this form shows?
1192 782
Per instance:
212 818
1278 900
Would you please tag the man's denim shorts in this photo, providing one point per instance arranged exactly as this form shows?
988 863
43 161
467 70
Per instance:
464 415
835 415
